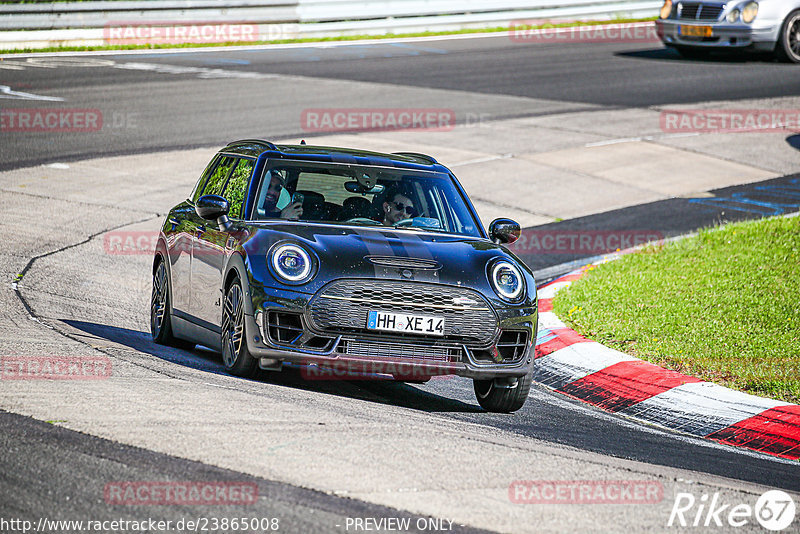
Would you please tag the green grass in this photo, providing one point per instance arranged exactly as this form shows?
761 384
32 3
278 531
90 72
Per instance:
723 306
318 39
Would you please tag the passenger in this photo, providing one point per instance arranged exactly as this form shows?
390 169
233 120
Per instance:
398 206
276 189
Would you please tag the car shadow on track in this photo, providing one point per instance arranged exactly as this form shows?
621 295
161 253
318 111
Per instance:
376 389
721 56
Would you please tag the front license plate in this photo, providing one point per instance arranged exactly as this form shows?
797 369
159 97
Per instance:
695 31
403 322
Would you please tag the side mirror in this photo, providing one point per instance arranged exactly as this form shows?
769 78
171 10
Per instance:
213 207
504 231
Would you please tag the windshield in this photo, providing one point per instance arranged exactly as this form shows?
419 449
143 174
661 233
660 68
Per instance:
358 195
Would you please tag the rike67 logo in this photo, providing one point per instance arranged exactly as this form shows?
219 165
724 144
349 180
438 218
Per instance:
774 510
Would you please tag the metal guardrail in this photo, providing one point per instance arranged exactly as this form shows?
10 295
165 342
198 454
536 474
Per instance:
85 15
84 23
544 11
333 10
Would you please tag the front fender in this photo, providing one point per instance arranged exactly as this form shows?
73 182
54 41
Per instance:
235 267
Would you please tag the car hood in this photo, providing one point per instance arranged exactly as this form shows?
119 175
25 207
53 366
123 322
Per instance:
367 252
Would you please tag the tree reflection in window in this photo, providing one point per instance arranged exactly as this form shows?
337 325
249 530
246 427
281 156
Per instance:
201 183
236 188
217 180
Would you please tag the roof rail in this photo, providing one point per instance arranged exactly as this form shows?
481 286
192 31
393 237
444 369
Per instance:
417 155
269 145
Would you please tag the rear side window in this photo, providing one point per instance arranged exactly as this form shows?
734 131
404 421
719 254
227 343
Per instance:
236 188
216 182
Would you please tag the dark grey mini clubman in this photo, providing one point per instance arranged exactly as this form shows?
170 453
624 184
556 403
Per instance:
349 263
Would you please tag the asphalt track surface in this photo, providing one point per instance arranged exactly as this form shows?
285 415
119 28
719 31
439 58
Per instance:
173 111
32 447
177 111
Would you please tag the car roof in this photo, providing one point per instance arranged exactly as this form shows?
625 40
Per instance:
257 147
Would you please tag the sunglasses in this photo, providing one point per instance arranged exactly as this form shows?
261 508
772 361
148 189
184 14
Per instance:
399 206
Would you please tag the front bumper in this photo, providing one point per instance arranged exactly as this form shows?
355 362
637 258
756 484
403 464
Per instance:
413 357
724 36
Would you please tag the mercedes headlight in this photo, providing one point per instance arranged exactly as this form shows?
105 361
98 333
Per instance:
507 281
666 9
733 16
291 263
749 12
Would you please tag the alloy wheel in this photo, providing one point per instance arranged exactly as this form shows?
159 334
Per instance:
158 300
233 325
793 37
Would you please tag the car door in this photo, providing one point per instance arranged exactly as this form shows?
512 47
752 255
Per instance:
183 223
212 245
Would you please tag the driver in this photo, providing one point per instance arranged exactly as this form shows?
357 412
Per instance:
276 186
397 207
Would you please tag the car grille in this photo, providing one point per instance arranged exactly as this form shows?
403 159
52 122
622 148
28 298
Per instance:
342 306
699 11
377 349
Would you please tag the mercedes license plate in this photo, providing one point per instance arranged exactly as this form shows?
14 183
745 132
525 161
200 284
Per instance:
695 31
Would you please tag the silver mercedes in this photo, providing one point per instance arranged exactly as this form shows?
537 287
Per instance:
696 28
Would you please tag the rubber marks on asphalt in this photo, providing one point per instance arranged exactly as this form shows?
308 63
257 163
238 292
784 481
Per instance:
618 383
621 385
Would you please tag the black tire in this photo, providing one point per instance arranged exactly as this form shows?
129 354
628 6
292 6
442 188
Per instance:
160 306
235 355
691 52
788 48
160 324
502 400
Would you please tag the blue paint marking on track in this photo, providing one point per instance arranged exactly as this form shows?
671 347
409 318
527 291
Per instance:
788 195
350 51
192 56
155 56
228 61
415 49
544 335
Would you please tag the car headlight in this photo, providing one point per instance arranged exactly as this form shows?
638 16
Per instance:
666 9
733 16
507 281
291 263
749 12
